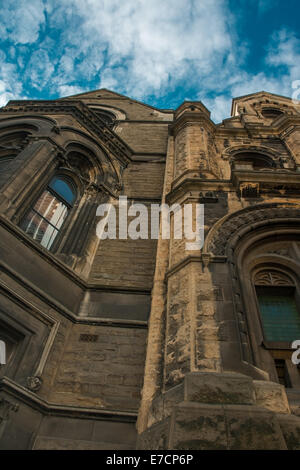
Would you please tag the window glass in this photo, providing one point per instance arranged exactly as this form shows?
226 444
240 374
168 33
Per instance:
64 189
49 212
279 313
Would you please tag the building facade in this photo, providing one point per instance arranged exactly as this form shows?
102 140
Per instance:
142 343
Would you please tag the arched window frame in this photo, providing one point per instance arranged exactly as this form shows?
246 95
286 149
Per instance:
106 116
280 351
270 278
246 160
271 112
69 178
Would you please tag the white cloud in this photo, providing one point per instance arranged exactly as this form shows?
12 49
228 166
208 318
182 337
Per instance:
285 51
147 43
219 107
21 20
140 48
10 85
69 90
39 69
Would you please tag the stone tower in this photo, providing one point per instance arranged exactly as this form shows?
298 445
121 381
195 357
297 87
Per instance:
143 343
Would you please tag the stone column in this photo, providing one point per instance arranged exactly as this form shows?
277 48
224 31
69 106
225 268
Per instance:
80 241
31 169
194 151
155 350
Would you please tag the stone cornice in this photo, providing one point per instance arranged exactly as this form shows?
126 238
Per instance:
267 180
280 127
70 274
189 185
110 141
193 259
65 312
190 118
30 398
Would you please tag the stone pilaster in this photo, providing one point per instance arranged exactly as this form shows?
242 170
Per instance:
34 164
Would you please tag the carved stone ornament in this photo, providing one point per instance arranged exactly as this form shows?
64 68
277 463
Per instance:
34 383
272 278
249 189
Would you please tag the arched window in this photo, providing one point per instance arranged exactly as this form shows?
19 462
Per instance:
46 218
271 113
275 292
106 116
280 317
252 161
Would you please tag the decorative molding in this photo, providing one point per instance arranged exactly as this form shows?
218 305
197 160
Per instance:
275 156
272 278
248 190
229 226
111 141
36 402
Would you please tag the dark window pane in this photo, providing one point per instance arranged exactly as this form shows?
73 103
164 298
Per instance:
271 113
63 189
106 116
280 316
282 372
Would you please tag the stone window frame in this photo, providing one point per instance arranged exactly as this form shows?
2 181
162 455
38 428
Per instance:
237 160
18 338
277 112
58 172
280 351
266 352
69 206
284 279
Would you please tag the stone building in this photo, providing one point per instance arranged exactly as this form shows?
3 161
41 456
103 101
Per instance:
141 343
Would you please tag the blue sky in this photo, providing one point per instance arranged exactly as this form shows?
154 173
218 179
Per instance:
161 52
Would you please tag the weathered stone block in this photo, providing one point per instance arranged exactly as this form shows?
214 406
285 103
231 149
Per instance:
271 395
220 388
253 428
198 427
155 438
290 426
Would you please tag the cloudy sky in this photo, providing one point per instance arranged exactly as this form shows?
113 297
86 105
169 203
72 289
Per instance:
157 51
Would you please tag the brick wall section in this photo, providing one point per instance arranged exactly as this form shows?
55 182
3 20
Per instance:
144 137
125 263
101 367
144 180
129 263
